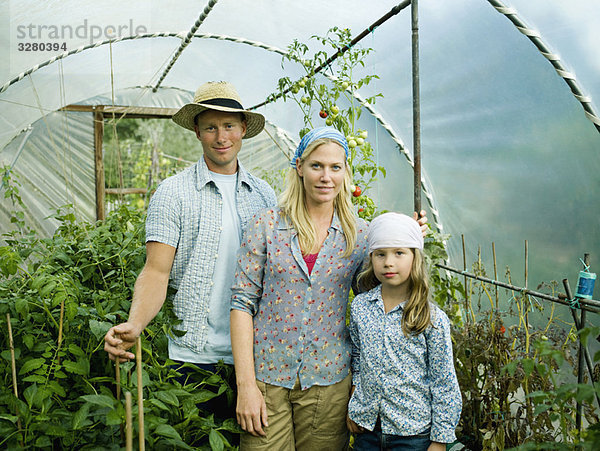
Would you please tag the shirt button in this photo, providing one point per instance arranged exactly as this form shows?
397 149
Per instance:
216 255
301 338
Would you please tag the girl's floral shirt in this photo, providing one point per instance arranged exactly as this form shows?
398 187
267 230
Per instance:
299 319
408 382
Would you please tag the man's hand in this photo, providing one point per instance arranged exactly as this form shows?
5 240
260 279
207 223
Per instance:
251 410
119 339
436 446
422 220
148 297
353 427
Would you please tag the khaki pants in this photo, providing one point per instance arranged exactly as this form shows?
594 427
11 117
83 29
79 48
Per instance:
304 420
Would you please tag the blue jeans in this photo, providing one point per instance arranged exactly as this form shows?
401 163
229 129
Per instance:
377 440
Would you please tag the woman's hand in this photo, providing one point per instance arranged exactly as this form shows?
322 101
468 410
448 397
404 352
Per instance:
251 410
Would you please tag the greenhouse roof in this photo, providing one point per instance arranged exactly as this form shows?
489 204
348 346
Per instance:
508 94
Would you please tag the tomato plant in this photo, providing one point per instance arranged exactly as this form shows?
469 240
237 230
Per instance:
61 295
310 95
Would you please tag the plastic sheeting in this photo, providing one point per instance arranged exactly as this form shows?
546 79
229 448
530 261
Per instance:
54 169
508 153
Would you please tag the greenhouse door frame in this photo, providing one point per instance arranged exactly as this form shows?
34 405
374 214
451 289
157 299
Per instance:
101 113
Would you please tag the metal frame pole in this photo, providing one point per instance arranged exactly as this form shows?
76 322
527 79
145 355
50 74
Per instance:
416 105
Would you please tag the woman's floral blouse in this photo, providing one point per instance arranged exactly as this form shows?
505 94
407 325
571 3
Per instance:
299 319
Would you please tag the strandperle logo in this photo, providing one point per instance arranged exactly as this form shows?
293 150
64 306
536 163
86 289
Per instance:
85 30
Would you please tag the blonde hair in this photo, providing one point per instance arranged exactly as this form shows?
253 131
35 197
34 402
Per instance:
293 205
416 316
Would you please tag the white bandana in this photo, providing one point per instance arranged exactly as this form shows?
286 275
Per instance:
394 230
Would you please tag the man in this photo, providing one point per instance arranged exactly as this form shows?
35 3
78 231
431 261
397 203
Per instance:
193 230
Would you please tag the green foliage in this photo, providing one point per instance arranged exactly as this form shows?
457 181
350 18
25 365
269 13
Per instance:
140 153
512 375
62 294
314 97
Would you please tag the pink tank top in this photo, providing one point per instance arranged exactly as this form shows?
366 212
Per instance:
310 260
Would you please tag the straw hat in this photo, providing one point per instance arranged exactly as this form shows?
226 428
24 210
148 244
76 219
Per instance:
219 96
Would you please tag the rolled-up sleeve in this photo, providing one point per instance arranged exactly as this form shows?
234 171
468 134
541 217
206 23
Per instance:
446 401
163 219
250 268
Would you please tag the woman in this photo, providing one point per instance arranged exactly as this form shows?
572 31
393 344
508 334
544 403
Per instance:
296 264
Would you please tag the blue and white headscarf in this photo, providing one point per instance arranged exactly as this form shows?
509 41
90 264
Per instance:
317 133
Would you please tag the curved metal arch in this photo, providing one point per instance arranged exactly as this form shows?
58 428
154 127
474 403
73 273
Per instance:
135 37
536 38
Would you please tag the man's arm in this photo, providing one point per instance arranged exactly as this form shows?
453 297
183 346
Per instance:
148 297
251 410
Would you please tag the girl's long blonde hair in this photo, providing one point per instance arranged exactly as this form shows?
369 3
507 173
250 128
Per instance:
416 316
293 205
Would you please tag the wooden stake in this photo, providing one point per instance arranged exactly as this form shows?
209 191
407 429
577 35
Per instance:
526 307
99 162
467 301
118 378
138 358
464 264
526 263
13 364
118 387
128 423
60 327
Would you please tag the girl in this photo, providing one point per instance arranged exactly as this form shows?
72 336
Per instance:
405 394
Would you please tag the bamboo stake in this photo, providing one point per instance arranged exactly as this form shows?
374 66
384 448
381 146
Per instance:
465 270
118 378
128 423
495 272
118 387
527 337
526 307
60 326
13 364
138 357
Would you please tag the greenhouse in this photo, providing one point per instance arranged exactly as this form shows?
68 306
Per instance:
483 113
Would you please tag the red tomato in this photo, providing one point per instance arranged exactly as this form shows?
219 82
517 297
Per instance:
357 191
502 329
323 114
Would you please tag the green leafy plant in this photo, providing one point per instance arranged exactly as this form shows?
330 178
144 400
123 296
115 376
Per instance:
513 376
318 103
62 294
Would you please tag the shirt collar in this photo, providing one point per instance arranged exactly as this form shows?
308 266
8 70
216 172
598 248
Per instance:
375 296
203 175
